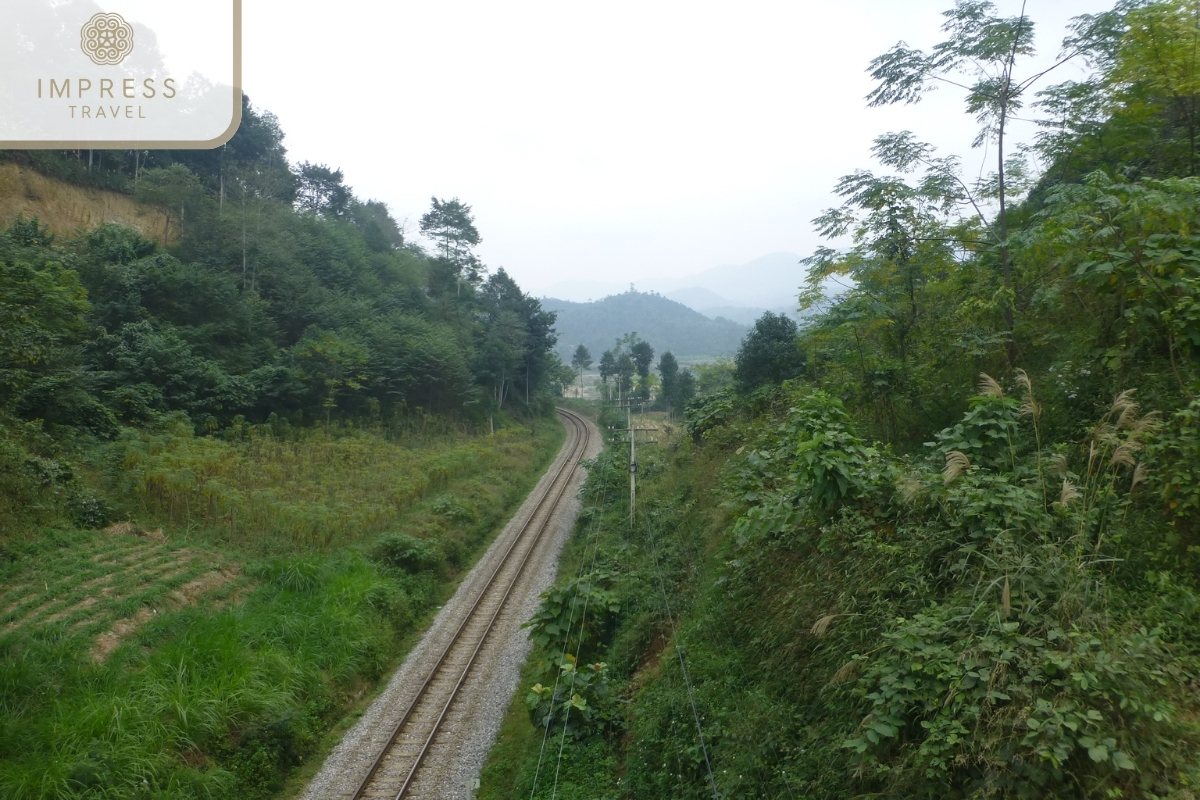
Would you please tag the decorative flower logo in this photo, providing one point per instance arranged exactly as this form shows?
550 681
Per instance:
107 39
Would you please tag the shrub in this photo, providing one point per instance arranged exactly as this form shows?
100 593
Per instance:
407 553
579 698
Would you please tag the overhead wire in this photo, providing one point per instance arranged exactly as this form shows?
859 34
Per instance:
687 682
592 526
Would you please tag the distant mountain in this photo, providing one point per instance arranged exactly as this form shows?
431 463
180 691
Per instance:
742 315
740 291
577 291
771 281
664 323
698 298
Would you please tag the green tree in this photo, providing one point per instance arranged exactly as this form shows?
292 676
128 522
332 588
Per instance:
450 224
1157 61
643 356
768 354
668 369
378 228
625 370
581 360
501 352
684 390
608 368
172 189
980 54
535 338
43 308
321 190
332 365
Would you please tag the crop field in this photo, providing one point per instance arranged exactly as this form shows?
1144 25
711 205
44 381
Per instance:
108 587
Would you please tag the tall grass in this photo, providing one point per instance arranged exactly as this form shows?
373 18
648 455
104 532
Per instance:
227 701
197 704
307 489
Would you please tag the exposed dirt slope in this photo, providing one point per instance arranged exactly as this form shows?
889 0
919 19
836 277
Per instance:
67 210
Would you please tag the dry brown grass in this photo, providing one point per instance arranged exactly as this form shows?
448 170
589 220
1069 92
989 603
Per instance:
68 210
129 529
111 639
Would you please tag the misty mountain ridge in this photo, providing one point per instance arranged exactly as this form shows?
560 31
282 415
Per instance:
664 323
738 291
698 298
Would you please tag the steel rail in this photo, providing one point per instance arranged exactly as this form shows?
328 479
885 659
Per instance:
558 486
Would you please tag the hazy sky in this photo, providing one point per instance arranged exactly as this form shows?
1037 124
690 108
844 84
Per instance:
607 140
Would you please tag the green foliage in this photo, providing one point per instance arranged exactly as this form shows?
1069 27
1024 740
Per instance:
579 700
282 293
1134 245
450 224
321 190
829 457
768 354
331 365
1179 446
43 309
710 411
886 584
401 551
573 613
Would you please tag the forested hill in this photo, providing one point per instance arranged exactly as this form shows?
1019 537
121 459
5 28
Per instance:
665 324
250 438
271 289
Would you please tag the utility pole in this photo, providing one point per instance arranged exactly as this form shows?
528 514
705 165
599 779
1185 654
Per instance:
633 464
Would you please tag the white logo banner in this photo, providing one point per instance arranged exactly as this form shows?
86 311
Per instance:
119 73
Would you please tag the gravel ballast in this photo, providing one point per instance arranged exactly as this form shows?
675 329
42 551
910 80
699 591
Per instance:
452 766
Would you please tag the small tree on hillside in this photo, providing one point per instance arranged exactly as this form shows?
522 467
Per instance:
643 356
980 55
581 361
625 371
608 368
321 190
171 189
685 388
450 224
768 353
668 368
331 365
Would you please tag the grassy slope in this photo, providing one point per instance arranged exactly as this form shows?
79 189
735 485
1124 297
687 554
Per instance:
677 490
782 699
227 697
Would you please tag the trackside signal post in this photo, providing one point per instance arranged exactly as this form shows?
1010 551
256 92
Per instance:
633 464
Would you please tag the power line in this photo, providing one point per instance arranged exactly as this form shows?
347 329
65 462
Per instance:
712 781
593 524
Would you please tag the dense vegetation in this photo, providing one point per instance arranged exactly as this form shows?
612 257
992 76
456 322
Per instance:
241 462
944 545
283 298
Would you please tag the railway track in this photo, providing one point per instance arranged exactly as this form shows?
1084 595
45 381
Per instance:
394 772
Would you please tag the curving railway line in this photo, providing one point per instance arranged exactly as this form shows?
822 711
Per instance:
396 770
